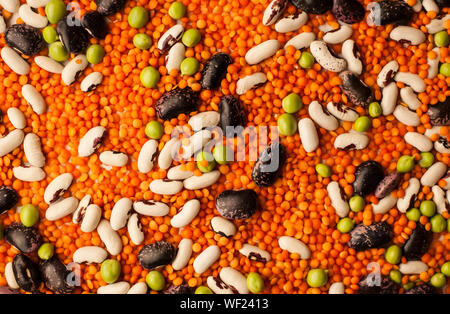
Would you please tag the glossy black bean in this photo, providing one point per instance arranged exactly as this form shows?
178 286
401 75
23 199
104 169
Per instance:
440 113
425 288
25 239
74 37
240 204
26 273
356 91
377 284
175 102
389 12
348 11
95 24
215 70
109 7
364 237
25 39
55 274
388 184
268 166
232 116
181 289
8 198
367 177
418 243
313 6
157 254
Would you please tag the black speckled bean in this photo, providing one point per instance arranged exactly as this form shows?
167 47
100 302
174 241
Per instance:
268 166
367 176
357 92
367 237
215 70
54 274
388 184
109 7
181 289
176 101
418 243
440 113
8 198
157 254
25 239
389 12
348 11
74 38
95 24
240 204
368 285
425 288
25 39
313 6
231 114
26 273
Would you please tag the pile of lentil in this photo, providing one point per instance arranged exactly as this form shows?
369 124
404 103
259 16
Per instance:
370 185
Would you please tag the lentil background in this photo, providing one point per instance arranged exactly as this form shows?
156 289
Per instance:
296 205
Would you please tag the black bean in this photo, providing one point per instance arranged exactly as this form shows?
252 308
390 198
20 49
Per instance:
158 254
418 243
313 6
357 92
443 3
54 274
95 24
377 284
181 289
175 102
440 113
25 239
215 70
425 288
240 204
109 7
367 176
26 273
268 166
25 39
232 115
8 290
390 12
388 184
348 11
8 198
74 37
367 237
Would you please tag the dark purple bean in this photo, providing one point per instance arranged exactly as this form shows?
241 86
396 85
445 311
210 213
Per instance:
443 3
388 184
425 288
313 6
377 284
175 102
440 113
8 290
232 115
157 254
269 164
8 198
418 243
25 239
367 176
95 24
357 92
181 289
215 70
26 273
367 237
348 11
74 38
54 274
109 7
240 204
389 12
24 38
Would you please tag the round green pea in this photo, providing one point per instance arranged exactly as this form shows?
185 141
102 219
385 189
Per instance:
58 52
323 170
55 11
405 163
191 37
345 225
438 223
362 124
138 17
441 39
255 283
110 270
142 41
95 54
375 109
444 69
426 159
154 130
396 276
203 290
50 34
413 214
155 280
149 77
393 254
438 280
46 251
428 208
177 10
317 278
356 203
306 60
29 215
287 124
222 154
292 103
445 269
408 285
205 157
189 66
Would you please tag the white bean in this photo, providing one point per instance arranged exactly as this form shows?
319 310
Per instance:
446 178
417 7
413 267
113 158
291 23
29 173
433 174
134 228
78 214
408 96
274 11
218 286
138 288
407 201
32 18
33 151
196 142
204 120
342 112
308 134
170 37
439 199
165 186
206 258
406 116
407 35
91 218
147 156
15 61
150 208
433 64
387 73
337 198
73 69
430 5
223 226
351 141
389 98
91 141
293 245
121 287
351 54
120 213
336 288
339 35
254 253
11 141
175 57
413 80
17 118
254 80
384 205
177 173
37 3
57 187
301 41
10 5
168 152
234 279
322 117
325 58
262 51
184 253
34 98
61 208
186 215
89 255
91 82
437 25
419 141
10 277
2 24
200 182
109 237
48 64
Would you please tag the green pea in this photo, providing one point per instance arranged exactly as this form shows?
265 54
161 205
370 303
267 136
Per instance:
29 215
306 60
345 225
138 17
438 223
317 278
445 69
191 37
405 163
356 203
413 214
426 159
445 269
428 208
58 52
205 161
222 154
149 77
393 254
408 286
362 124
142 41
396 276
323 170
177 10
375 109
255 283
203 290
46 251
292 103
95 54
438 280
441 39
50 34
155 280
189 66
154 130
110 270
55 11
287 124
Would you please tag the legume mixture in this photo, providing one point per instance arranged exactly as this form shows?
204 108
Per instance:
358 91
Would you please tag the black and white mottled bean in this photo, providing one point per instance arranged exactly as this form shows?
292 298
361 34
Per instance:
73 69
254 253
170 37
91 141
338 199
351 54
326 58
61 208
218 286
407 35
322 117
291 22
351 141
223 226
91 82
234 279
338 36
274 11
407 201
57 187
387 73
342 112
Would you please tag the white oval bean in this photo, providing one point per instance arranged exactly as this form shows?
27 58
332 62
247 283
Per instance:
413 267
37 3
34 98
170 37
138 288
407 35
291 23
407 201
437 25
430 5
439 199
351 54
121 287
384 205
234 279
2 24
150 208
184 253
186 215
91 218
446 178
301 41
336 288
322 117
218 286
204 120
350 141
11 141
32 18
293 245
419 141
15 61
413 80
120 213
308 134
254 253
109 237
206 258
262 51
147 156
61 208
73 69
342 112
165 186
89 255
90 142
408 96
387 73
223 226
195 143
168 152
78 214
175 57
91 82
274 11
406 116
48 64
10 5
433 64
433 174
113 158
176 173
389 98
57 187
200 182
417 7
325 58
33 151
17 118
339 35
134 228
254 80
10 277
337 198
29 173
